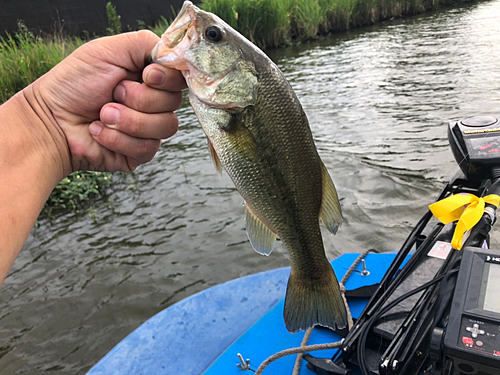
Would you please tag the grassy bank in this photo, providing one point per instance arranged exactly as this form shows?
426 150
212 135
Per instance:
76 191
275 23
24 57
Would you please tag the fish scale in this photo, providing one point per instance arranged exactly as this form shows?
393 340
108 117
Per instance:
258 132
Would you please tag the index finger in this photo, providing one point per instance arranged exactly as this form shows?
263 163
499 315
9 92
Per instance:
162 78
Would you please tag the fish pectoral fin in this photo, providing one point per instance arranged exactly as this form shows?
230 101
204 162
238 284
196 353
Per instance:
330 212
215 158
240 138
262 238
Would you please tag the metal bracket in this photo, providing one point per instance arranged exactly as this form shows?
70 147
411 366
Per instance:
243 365
365 272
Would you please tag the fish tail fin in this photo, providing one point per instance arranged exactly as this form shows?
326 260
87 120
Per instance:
316 302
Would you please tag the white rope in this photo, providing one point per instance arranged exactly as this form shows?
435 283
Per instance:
298 361
302 349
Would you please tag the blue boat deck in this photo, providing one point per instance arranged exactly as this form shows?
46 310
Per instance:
202 334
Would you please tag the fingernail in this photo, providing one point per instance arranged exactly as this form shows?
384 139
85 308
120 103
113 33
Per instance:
95 129
155 77
110 116
119 94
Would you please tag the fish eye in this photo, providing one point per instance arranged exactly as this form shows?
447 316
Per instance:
213 33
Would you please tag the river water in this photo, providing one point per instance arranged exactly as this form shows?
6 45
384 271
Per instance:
378 100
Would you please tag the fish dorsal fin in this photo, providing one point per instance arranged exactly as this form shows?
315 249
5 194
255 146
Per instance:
215 158
262 238
330 212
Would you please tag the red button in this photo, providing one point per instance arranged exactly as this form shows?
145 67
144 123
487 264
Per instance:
467 340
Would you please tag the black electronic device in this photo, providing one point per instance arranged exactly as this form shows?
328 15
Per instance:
475 143
472 336
436 320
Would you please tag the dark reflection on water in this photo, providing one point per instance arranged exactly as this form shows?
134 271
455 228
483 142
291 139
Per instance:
378 100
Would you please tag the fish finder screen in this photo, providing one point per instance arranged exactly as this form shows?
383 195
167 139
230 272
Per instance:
484 147
490 288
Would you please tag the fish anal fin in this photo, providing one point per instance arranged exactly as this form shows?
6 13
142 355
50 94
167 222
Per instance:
215 158
330 212
314 302
262 238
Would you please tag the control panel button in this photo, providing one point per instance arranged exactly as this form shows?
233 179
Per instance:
474 330
467 340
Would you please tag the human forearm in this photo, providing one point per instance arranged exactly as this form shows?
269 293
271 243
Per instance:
32 161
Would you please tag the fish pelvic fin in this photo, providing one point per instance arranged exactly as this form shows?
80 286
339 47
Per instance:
314 302
262 238
215 158
330 212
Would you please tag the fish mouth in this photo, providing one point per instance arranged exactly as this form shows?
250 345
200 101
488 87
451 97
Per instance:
168 57
200 83
179 27
173 42
172 58
176 41
174 45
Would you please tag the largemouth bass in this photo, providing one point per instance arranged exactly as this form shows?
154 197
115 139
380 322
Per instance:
258 131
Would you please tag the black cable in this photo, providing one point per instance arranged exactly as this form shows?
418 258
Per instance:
364 334
384 288
495 173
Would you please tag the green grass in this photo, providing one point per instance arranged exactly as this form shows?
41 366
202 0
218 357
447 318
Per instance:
265 23
25 57
275 23
114 20
160 27
76 191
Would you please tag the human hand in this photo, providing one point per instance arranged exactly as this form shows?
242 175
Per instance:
64 121
97 108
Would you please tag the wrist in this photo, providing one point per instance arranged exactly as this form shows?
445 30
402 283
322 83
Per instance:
32 162
49 141
32 150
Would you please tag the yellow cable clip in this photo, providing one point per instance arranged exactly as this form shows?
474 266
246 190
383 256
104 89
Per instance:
452 209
